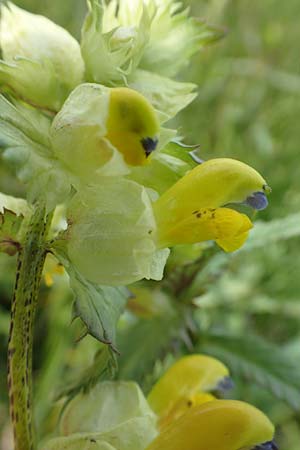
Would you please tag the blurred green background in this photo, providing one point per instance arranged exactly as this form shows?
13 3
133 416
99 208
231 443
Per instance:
246 308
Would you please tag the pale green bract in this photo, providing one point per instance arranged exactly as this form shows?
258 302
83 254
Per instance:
24 134
141 44
42 74
111 416
110 238
112 53
174 36
166 95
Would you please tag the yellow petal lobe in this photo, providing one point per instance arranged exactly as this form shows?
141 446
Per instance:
192 375
226 226
216 425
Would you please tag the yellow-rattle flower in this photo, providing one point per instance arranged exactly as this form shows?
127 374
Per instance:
194 209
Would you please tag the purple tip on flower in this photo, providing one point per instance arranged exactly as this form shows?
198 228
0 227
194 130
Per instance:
149 145
257 200
225 384
267 446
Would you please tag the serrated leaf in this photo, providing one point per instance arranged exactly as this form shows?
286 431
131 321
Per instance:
258 361
104 367
24 135
99 307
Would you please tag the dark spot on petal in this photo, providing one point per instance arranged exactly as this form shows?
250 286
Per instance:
198 215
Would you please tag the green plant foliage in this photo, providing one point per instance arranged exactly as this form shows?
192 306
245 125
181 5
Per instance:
257 361
99 307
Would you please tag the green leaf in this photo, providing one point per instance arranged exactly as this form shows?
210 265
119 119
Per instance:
257 361
12 213
103 367
24 134
99 307
143 343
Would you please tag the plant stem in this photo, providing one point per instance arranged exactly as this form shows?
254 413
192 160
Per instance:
28 277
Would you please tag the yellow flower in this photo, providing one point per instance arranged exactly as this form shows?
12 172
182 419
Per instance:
218 425
194 209
186 383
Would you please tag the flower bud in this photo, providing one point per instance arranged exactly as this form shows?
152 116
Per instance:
42 62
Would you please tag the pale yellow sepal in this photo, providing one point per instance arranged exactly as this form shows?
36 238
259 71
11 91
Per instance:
216 425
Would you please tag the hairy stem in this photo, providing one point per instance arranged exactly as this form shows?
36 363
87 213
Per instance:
29 271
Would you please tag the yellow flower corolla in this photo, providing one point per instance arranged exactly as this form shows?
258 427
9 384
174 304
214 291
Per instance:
102 131
132 125
186 384
194 209
217 425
